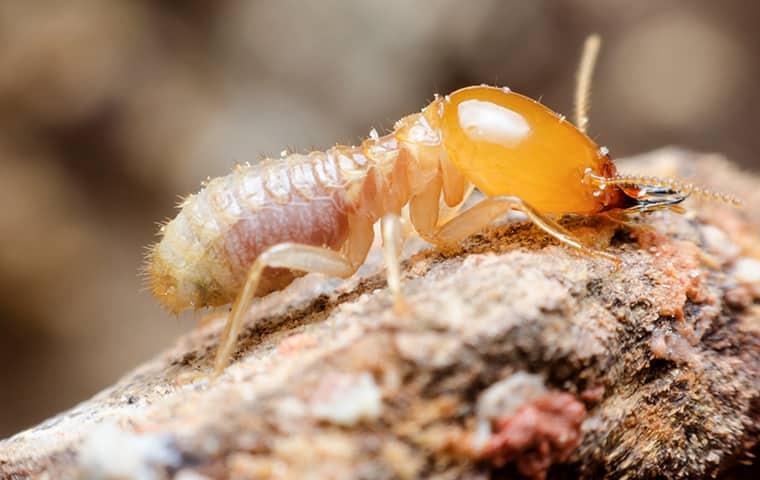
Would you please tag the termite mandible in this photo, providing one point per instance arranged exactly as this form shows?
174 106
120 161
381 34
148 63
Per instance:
255 230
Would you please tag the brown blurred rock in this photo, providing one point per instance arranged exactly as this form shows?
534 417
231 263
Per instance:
517 351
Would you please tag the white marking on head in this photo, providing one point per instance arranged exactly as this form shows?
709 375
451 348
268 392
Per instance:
486 121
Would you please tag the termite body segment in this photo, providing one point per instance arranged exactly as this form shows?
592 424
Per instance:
255 230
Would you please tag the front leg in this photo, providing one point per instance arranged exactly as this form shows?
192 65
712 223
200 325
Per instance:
483 214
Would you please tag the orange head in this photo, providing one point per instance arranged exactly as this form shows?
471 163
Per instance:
508 144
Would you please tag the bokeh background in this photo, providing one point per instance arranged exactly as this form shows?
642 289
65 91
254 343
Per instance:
109 110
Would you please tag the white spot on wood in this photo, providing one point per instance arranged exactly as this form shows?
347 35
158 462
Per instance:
506 396
347 399
747 270
112 453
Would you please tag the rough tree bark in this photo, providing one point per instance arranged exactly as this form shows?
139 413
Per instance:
519 357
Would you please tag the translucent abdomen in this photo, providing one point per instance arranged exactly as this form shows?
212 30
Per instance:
207 250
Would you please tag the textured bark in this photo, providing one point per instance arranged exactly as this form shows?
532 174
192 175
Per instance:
518 357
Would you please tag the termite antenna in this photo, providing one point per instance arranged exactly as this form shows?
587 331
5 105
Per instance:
685 188
645 184
583 80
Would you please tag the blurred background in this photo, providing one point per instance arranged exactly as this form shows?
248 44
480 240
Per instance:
110 110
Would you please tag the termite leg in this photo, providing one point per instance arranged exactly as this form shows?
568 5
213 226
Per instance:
455 188
453 183
483 213
447 213
294 256
424 209
393 242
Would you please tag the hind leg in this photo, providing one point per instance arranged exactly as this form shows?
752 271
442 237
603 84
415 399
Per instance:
294 256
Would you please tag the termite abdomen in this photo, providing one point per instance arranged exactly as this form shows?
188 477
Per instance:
206 251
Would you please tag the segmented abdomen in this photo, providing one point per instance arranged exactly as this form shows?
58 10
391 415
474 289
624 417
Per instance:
206 251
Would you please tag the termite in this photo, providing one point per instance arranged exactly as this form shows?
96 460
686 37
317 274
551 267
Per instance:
255 230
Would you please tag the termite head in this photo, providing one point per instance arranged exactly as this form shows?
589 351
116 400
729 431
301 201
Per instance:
507 144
